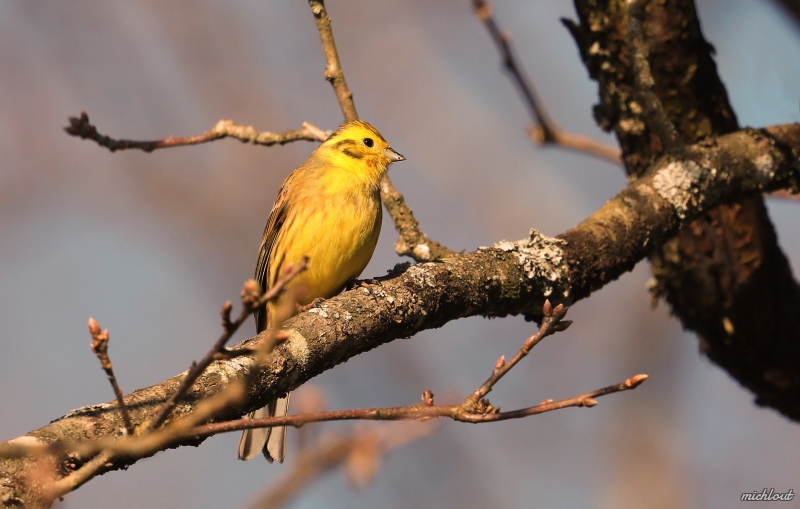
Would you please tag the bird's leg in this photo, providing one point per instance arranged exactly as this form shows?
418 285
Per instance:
314 303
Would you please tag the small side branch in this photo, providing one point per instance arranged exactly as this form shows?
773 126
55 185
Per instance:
333 71
252 299
412 241
421 411
552 322
547 131
80 126
99 346
475 408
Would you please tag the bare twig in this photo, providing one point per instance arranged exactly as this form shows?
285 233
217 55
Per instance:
77 478
80 126
252 299
416 412
576 142
475 407
152 439
189 427
333 70
100 348
104 452
310 464
547 131
412 242
551 323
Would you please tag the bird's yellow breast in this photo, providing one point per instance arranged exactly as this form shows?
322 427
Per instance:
329 209
337 226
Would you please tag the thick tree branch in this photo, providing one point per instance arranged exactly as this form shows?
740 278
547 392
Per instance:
508 278
252 300
724 275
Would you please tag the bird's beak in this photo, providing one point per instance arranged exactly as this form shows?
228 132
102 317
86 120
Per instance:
393 155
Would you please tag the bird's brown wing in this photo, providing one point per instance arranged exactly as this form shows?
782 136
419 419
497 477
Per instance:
274 224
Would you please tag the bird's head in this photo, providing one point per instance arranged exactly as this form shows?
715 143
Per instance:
357 141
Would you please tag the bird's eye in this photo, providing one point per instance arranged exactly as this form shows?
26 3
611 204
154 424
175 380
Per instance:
368 142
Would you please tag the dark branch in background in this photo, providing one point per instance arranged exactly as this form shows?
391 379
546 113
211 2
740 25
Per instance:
100 348
474 409
547 131
793 6
80 126
782 194
724 275
412 242
657 118
359 452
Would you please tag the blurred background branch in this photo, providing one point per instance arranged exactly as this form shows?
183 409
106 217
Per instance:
546 131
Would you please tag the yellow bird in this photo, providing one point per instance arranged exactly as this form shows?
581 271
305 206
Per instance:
329 209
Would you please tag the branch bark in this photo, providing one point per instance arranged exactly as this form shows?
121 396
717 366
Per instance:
507 278
724 275
81 127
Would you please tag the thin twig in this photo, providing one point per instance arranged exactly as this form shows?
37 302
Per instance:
415 412
333 70
80 126
251 301
412 242
152 439
108 450
551 323
309 465
547 131
576 142
99 346
474 409
77 478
